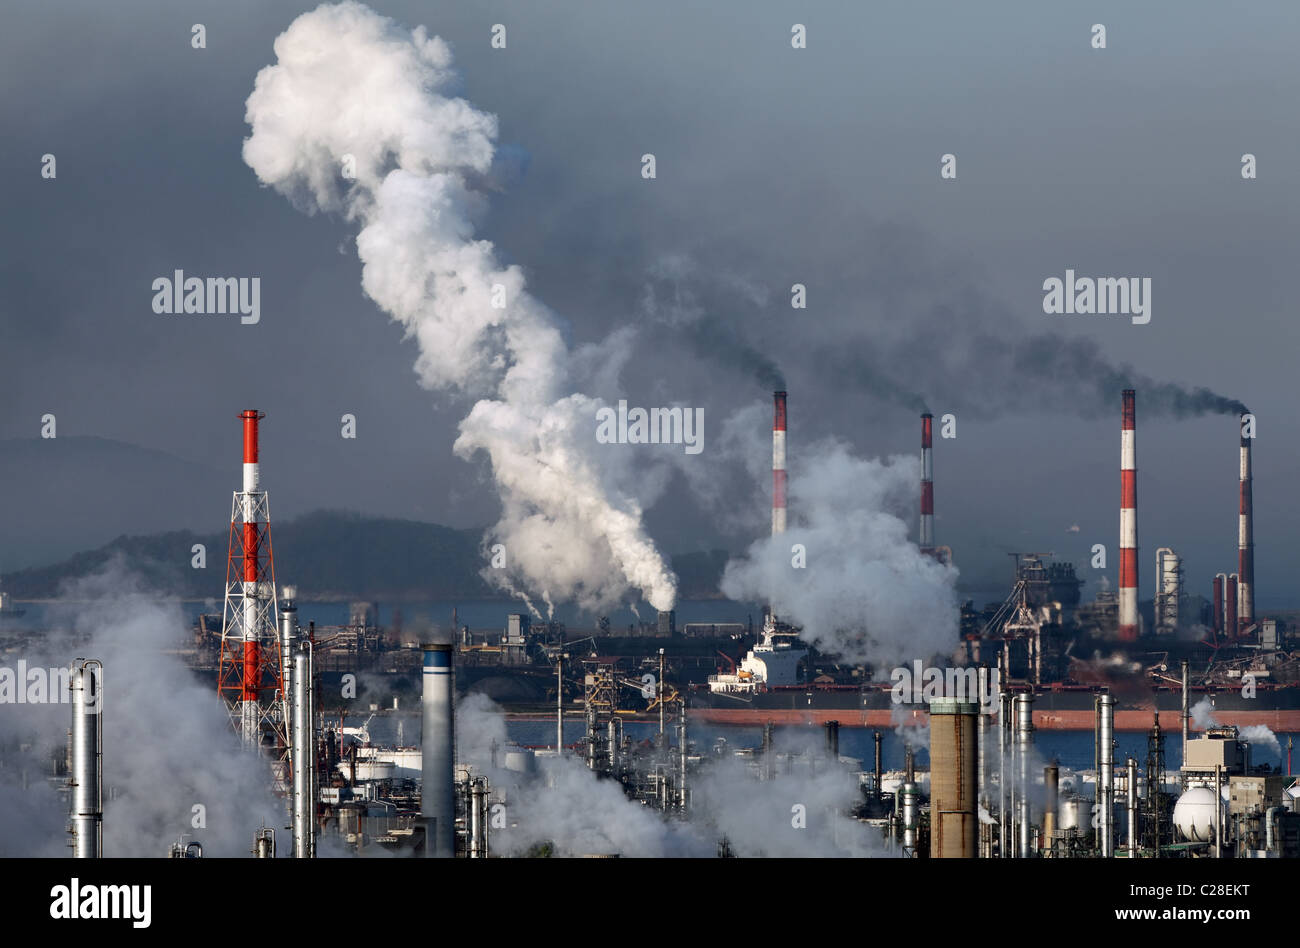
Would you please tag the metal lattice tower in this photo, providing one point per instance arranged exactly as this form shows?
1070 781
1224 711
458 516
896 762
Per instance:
249 676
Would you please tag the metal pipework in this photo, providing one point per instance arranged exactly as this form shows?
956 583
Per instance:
681 749
303 756
909 818
87 746
438 793
1218 590
613 743
288 638
1024 746
559 705
478 818
1004 723
1187 720
1106 774
1132 801
876 737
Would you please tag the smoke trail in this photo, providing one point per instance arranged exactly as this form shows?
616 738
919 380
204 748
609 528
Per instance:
356 117
675 295
1256 734
865 592
951 351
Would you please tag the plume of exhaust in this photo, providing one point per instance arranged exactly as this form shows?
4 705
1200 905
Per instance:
846 569
358 117
1259 735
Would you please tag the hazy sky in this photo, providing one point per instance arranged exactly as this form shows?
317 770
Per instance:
774 166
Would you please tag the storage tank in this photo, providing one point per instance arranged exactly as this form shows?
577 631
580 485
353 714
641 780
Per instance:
1194 815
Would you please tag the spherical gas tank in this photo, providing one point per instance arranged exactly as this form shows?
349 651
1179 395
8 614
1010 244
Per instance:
1194 815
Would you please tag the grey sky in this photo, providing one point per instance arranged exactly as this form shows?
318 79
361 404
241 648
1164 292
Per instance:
775 166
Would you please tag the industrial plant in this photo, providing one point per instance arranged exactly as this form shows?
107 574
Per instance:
972 784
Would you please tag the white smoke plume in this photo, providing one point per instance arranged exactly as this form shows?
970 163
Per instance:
357 117
866 592
565 805
168 743
1257 735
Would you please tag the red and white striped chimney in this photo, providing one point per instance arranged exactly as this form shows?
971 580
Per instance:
251 556
927 483
1128 531
778 463
1245 546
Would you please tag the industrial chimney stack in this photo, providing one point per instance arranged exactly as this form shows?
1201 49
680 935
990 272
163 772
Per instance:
1128 535
778 463
927 484
437 792
1245 547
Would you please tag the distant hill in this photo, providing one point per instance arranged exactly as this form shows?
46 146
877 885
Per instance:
328 555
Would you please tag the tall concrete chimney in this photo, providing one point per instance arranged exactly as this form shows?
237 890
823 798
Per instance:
1245 547
1128 532
927 483
437 796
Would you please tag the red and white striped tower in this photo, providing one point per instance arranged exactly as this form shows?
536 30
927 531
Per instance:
1245 547
249 675
1128 530
778 463
927 484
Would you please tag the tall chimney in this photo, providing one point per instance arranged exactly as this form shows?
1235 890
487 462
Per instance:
1106 774
1128 532
1245 547
86 777
927 484
303 755
778 463
1230 608
437 795
1220 582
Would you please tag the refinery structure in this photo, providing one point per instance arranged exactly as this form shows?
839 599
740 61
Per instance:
634 704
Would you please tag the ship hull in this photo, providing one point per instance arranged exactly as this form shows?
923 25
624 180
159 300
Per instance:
1063 709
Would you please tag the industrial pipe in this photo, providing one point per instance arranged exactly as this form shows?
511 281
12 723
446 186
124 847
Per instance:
86 687
438 793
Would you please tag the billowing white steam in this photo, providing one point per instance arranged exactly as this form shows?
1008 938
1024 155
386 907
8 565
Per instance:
172 763
565 805
865 591
354 94
1258 735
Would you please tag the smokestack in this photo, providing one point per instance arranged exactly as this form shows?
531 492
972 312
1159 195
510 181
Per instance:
1220 584
1024 749
437 796
1051 794
1230 608
1131 798
1186 722
86 779
303 756
927 484
877 737
954 817
833 739
778 463
1245 546
1128 534
1106 774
